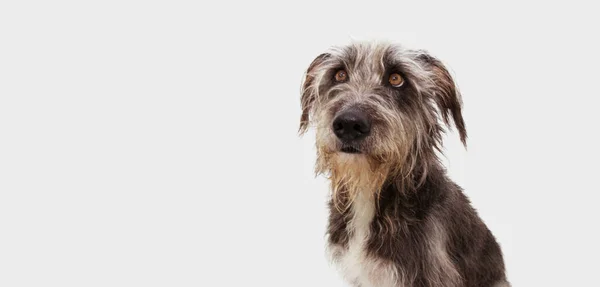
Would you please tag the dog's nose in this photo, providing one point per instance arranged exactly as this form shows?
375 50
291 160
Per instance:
351 125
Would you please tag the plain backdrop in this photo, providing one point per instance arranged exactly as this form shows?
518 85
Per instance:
154 143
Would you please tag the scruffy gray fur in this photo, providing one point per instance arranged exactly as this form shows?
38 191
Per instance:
396 219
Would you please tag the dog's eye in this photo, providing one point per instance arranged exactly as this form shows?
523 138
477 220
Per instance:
396 80
341 76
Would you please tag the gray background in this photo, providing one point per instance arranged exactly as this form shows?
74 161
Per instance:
153 143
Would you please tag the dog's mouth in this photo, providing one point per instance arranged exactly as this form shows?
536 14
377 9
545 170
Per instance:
350 149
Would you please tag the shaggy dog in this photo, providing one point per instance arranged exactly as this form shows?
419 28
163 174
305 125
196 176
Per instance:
396 219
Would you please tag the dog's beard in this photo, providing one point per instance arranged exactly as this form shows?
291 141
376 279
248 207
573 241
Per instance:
351 174
366 172
390 152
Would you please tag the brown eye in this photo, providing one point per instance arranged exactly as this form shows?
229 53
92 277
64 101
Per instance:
341 76
396 80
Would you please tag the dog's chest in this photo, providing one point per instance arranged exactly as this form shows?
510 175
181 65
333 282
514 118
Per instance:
355 264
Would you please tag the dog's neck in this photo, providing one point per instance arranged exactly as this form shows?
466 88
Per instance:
405 199
355 176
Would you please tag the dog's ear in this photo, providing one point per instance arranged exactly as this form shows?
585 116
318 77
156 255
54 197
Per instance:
446 94
308 91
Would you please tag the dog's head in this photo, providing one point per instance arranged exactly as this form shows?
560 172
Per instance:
378 105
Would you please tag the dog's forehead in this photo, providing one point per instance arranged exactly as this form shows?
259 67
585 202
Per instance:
366 61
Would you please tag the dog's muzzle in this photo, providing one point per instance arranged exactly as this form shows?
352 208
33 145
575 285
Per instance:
351 126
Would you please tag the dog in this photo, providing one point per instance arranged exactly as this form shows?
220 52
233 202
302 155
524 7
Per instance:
396 219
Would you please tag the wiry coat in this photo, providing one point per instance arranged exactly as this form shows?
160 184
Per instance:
396 219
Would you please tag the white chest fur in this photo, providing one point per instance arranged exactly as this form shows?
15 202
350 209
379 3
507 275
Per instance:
358 268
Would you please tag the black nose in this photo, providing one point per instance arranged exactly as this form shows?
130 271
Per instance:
351 125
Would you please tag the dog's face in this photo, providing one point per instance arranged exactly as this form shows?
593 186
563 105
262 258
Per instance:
379 103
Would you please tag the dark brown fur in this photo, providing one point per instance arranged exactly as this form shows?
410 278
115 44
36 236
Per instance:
471 245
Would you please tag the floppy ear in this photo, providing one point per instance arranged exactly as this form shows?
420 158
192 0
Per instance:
446 94
309 92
